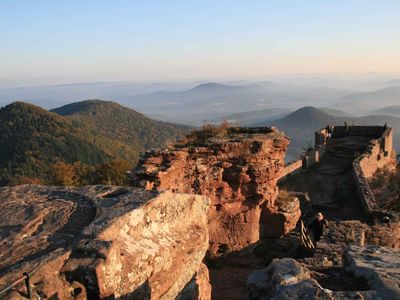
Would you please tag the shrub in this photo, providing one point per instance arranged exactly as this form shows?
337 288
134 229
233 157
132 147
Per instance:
208 131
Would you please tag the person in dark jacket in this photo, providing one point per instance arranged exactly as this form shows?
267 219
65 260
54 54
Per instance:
346 128
317 226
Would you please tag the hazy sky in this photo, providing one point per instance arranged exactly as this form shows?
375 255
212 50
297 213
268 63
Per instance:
86 40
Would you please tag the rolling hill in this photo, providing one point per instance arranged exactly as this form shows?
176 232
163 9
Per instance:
183 102
335 112
51 96
368 102
32 139
251 117
211 101
393 110
122 131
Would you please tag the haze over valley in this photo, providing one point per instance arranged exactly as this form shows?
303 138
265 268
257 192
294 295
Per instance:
295 108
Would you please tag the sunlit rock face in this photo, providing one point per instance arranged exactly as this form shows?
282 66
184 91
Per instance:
99 241
238 171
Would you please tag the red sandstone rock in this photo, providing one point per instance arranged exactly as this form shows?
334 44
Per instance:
238 172
98 242
282 217
199 288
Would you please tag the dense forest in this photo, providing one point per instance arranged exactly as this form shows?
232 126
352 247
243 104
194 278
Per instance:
81 143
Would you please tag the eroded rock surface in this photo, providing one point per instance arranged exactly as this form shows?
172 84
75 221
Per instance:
377 264
238 172
101 241
282 217
284 279
288 279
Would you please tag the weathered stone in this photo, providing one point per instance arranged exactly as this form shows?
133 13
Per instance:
288 279
238 172
102 241
199 288
284 279
379 265
282 217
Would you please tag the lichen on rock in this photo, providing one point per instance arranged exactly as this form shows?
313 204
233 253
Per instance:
102 241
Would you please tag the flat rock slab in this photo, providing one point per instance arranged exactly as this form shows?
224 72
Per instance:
101 241
379 265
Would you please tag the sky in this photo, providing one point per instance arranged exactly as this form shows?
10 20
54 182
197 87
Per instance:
104 40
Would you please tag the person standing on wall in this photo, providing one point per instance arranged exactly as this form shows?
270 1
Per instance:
317 226
346 128
329 129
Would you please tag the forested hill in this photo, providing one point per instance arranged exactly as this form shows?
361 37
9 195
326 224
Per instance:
80 140
122 125
33 139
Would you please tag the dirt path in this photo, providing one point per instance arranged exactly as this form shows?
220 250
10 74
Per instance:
330 183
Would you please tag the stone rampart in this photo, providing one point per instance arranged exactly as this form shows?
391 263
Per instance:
309 158
378 154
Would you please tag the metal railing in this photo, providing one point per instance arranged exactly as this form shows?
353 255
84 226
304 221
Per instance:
24 278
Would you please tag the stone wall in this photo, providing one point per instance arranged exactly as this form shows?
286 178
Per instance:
291 168
238 171
373 132
379 153
103 242
309 158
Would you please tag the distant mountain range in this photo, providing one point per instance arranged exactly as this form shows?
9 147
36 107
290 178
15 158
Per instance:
368 102
393 82
393 110
210 101
255 116
264 116
301 125
33 139
52 96
185 102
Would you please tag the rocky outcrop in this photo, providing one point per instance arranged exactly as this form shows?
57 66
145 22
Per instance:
284 279
379 265
288 279
282 217
237 171
99 242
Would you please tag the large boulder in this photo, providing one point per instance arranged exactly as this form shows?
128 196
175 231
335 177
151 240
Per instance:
99 242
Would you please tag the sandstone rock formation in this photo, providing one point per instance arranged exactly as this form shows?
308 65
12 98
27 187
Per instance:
99 242
282 217
238 172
